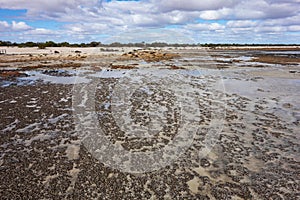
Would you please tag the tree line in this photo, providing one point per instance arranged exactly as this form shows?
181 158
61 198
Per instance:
43 45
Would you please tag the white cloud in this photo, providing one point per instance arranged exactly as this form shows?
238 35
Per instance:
294 20
87 28
192 5
20 26
294 28
53 6
92 19
4 26
216 14
270 29
153 35
241 24
14 26
255 9
40 31
205 27
261 9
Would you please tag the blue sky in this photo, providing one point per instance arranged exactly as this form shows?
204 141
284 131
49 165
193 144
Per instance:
174 21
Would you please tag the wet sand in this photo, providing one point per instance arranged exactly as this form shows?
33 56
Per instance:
256 154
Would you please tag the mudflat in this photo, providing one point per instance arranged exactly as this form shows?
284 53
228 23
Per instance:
247 98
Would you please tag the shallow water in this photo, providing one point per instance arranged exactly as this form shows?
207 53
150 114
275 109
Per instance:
255 154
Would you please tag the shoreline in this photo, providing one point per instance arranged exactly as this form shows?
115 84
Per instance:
255 147
65 50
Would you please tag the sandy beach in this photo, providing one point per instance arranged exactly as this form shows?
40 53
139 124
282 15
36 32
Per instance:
246 98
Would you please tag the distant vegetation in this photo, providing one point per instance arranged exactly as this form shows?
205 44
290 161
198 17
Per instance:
43 45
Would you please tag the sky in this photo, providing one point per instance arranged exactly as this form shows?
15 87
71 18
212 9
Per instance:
172 21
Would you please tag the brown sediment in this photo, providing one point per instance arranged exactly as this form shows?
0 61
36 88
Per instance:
254 66
258 48
41 61
224 61
273 59
11 73
176 67
222 67
31 58
57 66
149 56
122 67
172 66
220 56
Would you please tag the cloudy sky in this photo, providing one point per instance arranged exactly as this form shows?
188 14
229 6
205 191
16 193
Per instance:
174 21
